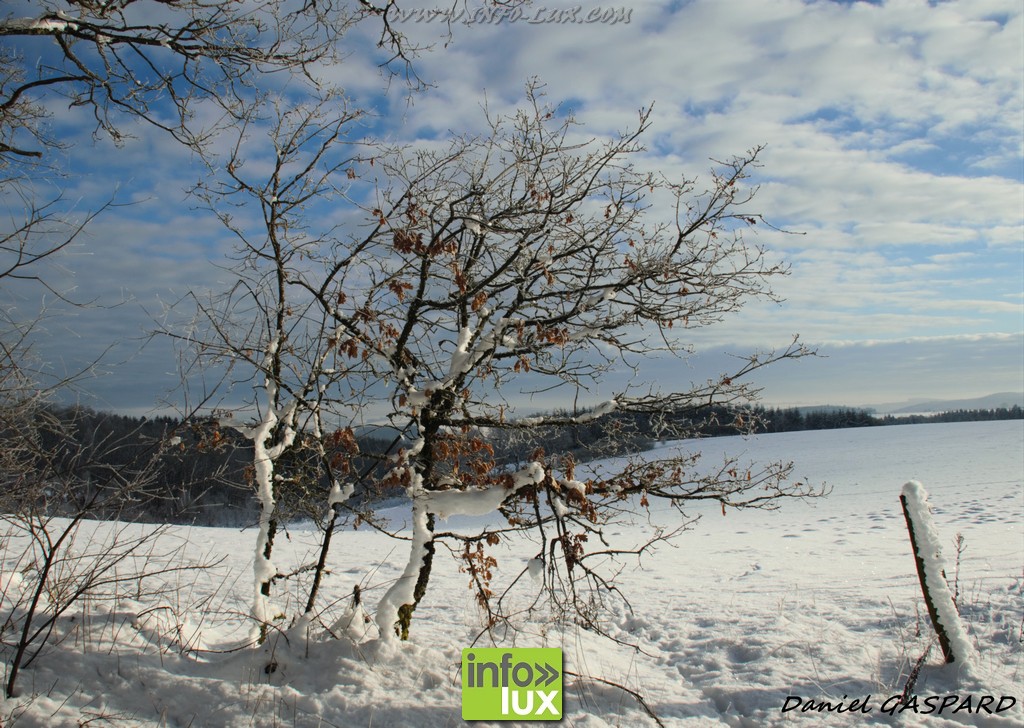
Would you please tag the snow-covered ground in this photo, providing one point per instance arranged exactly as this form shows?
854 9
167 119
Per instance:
818 600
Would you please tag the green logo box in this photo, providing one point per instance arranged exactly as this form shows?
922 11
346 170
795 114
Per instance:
519 683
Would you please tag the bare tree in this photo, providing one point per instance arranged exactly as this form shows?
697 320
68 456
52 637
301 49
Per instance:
535 259
528 259
269 330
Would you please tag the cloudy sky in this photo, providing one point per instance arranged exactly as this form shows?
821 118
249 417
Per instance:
894 147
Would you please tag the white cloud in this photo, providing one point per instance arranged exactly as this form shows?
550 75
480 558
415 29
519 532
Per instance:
892 131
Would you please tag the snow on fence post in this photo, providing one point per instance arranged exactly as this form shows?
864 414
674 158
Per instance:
931 571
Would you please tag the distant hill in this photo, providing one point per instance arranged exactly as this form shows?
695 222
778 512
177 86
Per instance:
989 402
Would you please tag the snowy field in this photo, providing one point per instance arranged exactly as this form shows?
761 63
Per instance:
818 600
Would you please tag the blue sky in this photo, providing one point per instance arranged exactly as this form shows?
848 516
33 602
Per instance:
894 147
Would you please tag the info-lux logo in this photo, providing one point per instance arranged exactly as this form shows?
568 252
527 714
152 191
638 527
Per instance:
519 683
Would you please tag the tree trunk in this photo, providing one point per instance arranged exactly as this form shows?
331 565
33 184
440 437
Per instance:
422 580
268 549
321 564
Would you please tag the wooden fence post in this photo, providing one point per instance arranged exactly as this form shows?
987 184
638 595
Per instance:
929 601
956 643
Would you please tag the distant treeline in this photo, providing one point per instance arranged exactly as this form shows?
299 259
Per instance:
619 432
794 419
201 472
